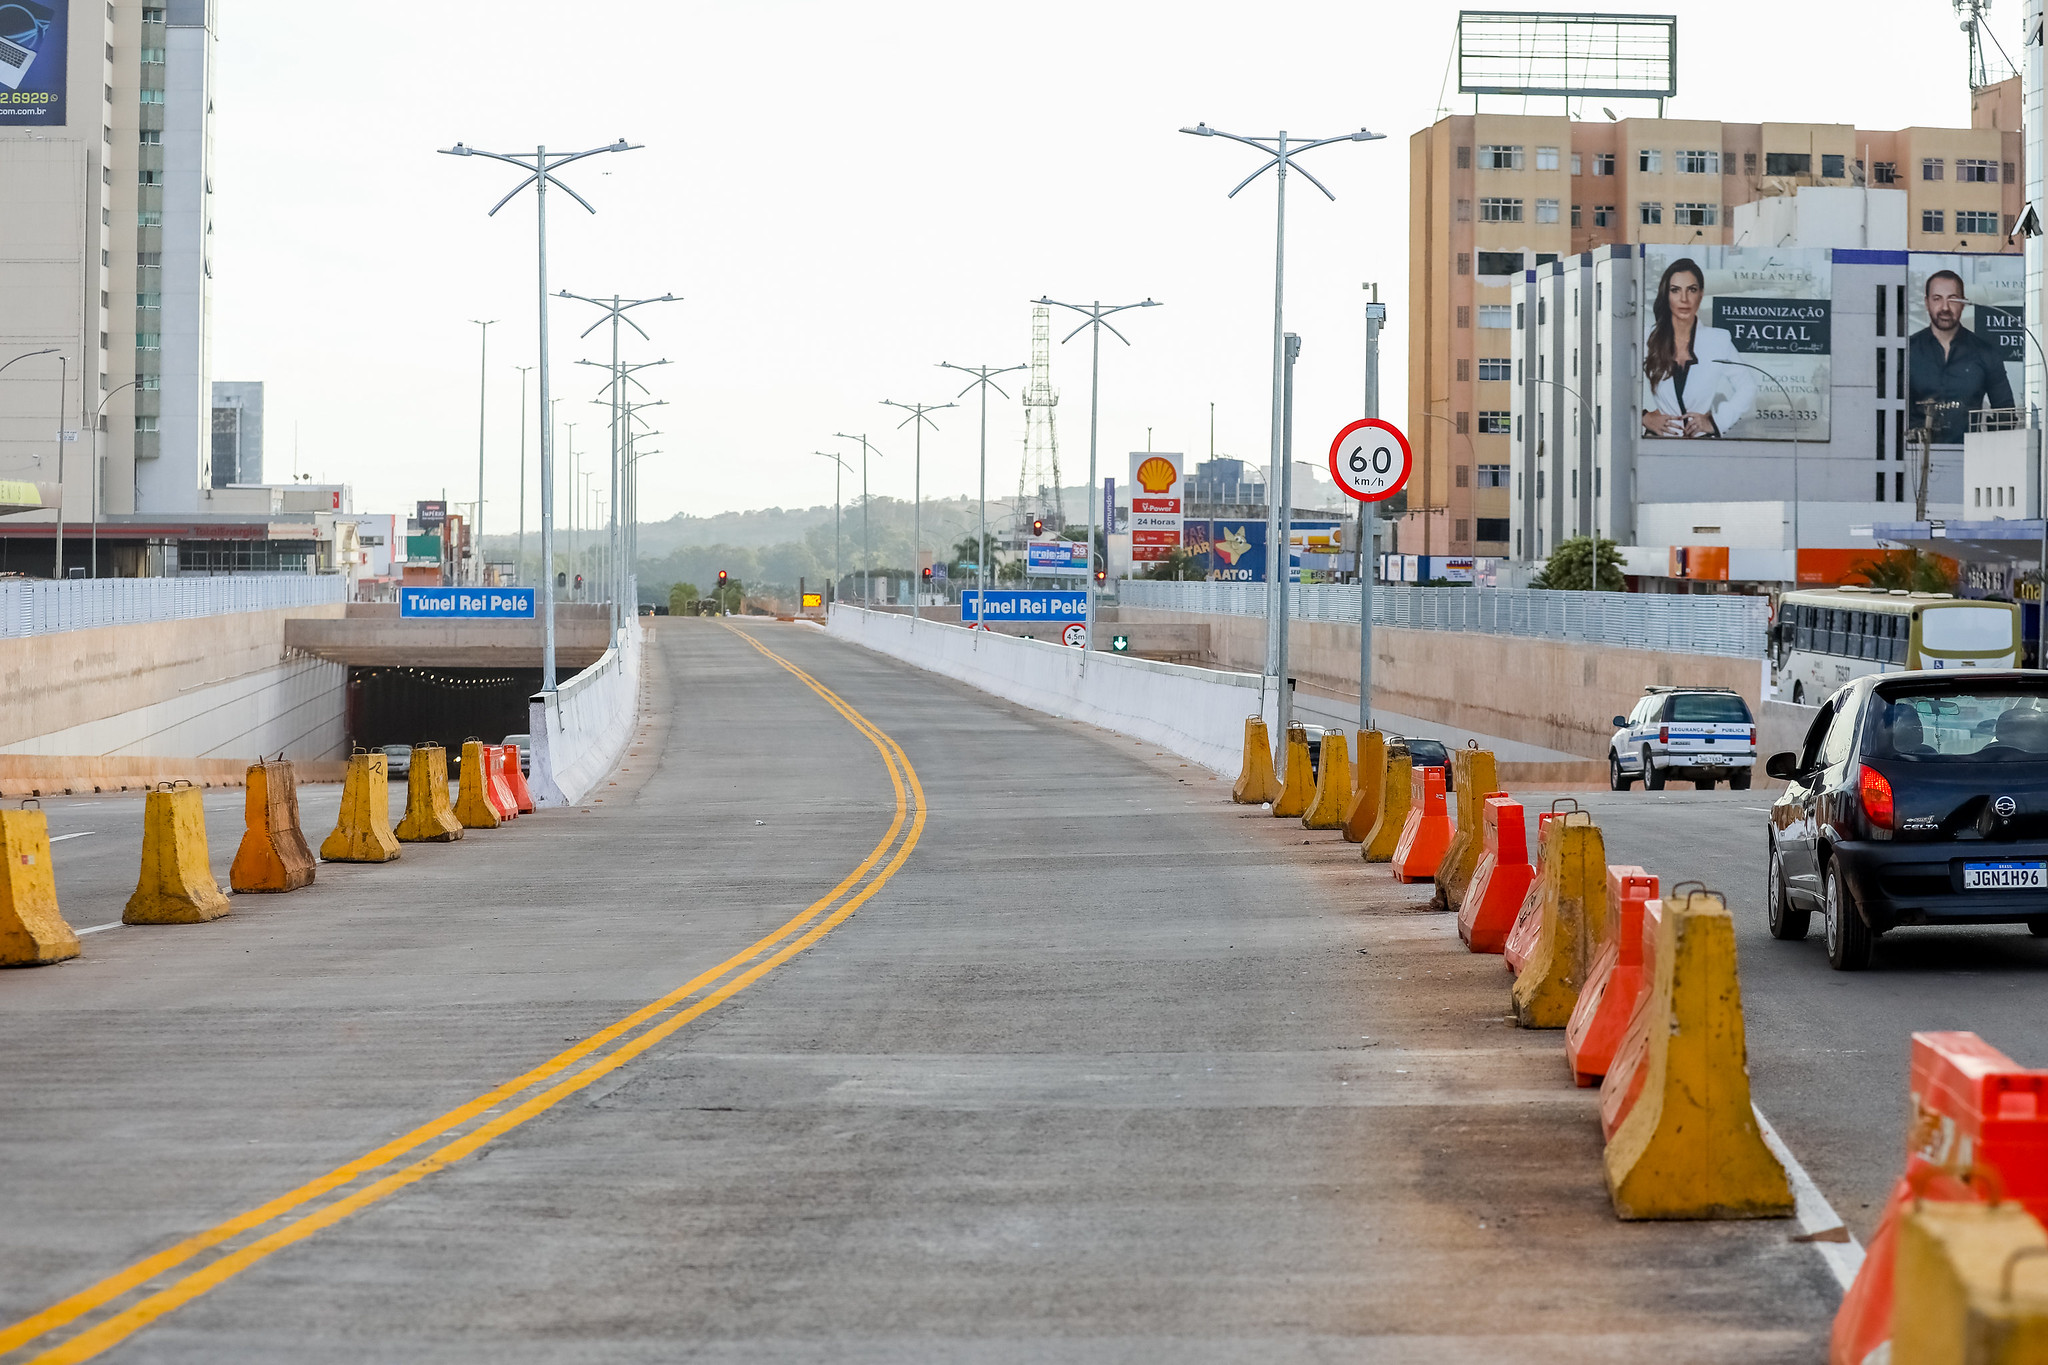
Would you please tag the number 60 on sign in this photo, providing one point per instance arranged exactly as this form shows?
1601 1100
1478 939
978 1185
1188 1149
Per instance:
1370 460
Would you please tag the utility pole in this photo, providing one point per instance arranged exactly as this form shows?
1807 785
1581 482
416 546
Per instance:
483 359
984 378
1375 318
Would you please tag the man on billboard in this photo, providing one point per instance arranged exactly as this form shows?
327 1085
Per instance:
1952 365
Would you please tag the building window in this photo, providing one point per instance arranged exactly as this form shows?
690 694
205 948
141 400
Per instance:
1575 216
149 341
1880 485
1464 315
1699 163
149 383
1464 158
152 137
145 424
1598 423
149 217
1495 368
1650 214
1577 164
152 56
149 177
1931 220
1493 476
1464 475
1603 163
1463 212
1546 210
1518 319
1604 216
1749 163
1464 263
1696 215
1494 424
1500 210
1969 220
149 300
1650 159
2008 172
1884 172
1500 262
1546 158
1833 166
150 96
1496 315
1464 424
1931 168
1498 156
1464 369
1458 528
1976 171
1493 529
1788 163
152 16
1881 358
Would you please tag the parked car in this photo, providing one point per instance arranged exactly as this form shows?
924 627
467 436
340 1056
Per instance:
525 743
1701 735
1916 798
397 760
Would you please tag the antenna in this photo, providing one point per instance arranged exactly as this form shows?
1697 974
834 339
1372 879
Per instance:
1038 479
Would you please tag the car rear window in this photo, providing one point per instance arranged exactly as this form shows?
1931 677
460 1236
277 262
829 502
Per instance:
1709 708
1943 725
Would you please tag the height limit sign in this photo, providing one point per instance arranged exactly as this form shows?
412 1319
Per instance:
1370 460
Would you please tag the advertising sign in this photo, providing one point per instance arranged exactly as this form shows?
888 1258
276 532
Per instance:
1233 551
32 61
431 513
1967 340
1737 343
467 603
1056 559
976 605
1157 505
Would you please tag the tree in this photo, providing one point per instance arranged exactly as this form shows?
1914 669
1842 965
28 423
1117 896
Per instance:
682 599
1571 566
1907 569
1179 566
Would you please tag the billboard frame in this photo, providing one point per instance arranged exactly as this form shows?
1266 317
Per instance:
1528 52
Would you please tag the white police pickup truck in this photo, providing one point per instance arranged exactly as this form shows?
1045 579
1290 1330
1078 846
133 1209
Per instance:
1701 735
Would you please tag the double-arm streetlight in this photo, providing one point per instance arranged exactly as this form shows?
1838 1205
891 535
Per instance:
1097 315
917 422
867 545
984 379
540 166
483 370
96 494
840 467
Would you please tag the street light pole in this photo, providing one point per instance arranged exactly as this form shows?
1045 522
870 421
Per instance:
917 421
570 444
1097 315
1291 351
540 168
984 378
1368 513
96 471
867 546
1792 428
482 375
839 467
523 371
63 381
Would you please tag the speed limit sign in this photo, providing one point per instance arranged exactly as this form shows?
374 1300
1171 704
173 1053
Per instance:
1370 460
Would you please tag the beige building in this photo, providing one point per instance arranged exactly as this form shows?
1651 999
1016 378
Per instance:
1495 195
105 222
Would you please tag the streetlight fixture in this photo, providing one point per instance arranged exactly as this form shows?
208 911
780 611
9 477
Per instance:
96 471
867 545
843 467
540 167
482 373
917 421
1097 315
984 379
1279 152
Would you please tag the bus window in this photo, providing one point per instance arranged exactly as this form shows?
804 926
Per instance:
1866 635
1838 631
1802 633
1966 629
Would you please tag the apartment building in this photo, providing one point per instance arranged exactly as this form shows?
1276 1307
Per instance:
1493 196
104 229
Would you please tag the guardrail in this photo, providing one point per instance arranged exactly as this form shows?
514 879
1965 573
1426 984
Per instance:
44 606
1677 623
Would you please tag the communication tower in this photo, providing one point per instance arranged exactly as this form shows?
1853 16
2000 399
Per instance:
1038 479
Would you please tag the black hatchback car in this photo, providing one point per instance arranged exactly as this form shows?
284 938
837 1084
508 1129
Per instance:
1916 798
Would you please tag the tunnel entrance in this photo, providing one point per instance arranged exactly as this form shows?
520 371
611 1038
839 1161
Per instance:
403 705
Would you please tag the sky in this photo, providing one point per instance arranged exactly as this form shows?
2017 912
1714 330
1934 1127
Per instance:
844 196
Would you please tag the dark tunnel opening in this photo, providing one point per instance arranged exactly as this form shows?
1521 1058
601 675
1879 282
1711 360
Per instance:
445 706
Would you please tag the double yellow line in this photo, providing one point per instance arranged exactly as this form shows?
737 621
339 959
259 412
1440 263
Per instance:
577 1067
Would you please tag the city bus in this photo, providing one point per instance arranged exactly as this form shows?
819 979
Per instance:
1823 637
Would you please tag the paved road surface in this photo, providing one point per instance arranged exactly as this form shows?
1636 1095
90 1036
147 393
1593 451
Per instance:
1106 1069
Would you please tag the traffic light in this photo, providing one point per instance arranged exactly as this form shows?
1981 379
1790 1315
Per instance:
927 573
721 578
579 582
1038 526
1101 575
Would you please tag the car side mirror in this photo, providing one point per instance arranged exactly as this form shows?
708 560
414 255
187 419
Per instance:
1621 722
1783 766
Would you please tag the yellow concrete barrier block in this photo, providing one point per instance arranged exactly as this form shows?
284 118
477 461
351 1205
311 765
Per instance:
1369 775
176 885
1475 776
428 819
363 834
1574 911
1297 776
32 932
1257 783
473 799
1690 1147
1395 797
1333 785
273 855
1970 1286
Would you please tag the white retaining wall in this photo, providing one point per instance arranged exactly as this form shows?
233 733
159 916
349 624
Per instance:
296 707
580 730
1198 713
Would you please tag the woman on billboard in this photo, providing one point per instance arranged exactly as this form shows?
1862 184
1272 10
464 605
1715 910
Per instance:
1694 382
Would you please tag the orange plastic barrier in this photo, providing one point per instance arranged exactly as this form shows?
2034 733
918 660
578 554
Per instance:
1528 926
1617 980
1980 1131
1427 835
516 780
1501 881
1623 1083
496 790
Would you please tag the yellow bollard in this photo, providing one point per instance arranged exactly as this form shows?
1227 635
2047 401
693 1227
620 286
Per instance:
1333 785
1298 782
428 820
273 855
363 834
176 885
1475 775
1370 777
1256 782
1690 1148
1574 910
1970 1285
1395 796
472 801
32 931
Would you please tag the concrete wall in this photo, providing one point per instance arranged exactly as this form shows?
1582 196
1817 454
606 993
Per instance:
580 730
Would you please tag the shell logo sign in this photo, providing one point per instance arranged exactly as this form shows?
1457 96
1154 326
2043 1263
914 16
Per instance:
1158 510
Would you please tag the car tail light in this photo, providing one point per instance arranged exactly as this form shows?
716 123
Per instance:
1752 736
1663 734
1877 797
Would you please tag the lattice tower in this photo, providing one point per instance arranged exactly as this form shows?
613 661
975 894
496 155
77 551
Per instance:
1038 479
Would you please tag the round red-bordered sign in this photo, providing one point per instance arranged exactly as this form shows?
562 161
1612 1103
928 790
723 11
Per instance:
1370 460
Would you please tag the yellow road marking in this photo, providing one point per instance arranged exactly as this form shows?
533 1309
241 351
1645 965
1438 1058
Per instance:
120 1326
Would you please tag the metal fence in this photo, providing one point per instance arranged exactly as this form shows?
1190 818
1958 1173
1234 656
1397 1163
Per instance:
1681 624
41 606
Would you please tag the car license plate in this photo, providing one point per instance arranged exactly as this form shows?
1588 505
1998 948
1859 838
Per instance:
2005 876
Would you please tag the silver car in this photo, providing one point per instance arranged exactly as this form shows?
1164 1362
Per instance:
397 760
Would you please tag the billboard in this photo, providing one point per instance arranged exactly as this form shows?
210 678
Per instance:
1966 342
1056 559
1157 505
1234 551
1737 343
32 61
